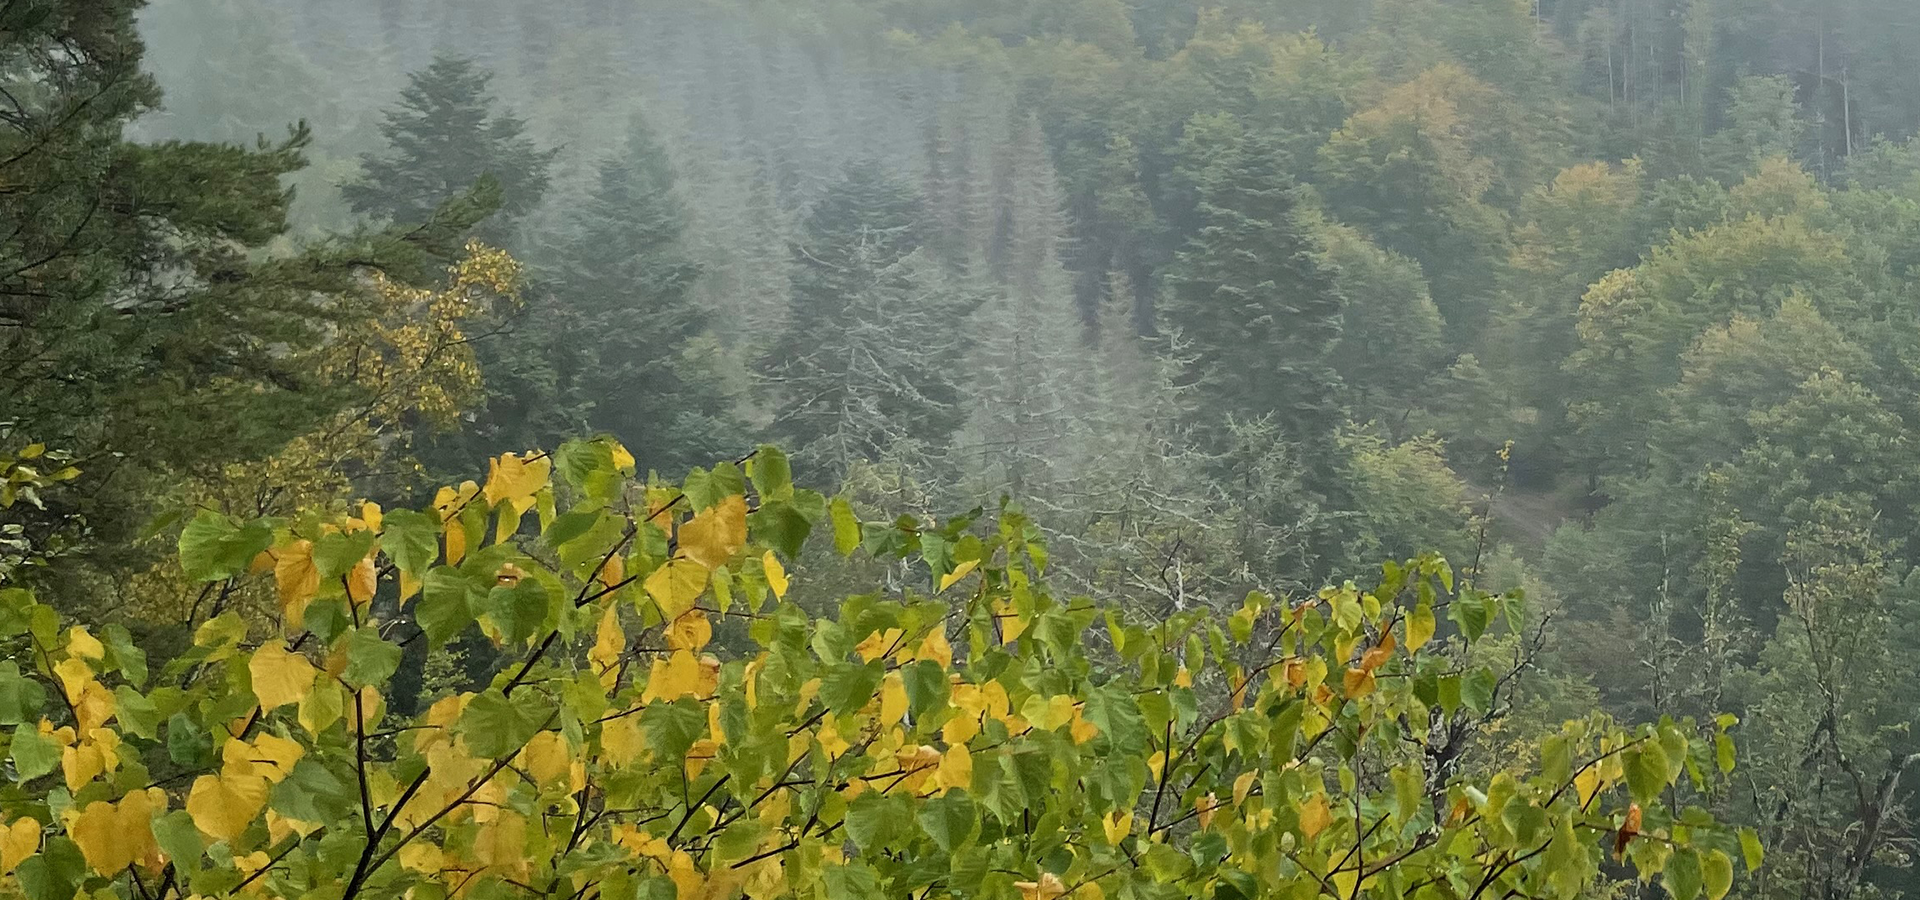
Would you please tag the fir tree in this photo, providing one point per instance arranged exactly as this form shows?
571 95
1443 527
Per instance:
1253 301
614 341
1026 391
445 136
867 366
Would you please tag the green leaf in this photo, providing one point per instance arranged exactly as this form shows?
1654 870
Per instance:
589 467
178 838
772 474
123 655
846 528
188 744
370 660
779 524
849 686
446 605
311 793
878 822
21 698
846 882
137 714
1716 874
495 725
927 687
336 554
951 819
1750 849
521 610
212 548
1646 772
55 873
34 754
673 727
411 539
1112 709
1682 875
1472 612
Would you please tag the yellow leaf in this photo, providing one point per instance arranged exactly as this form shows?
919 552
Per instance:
502 843
421 857
608 643
280 677
960 571
515 481
622 458
362 580
18 841
1419 627
622 742
74 675
1587 783
456 542
878 644
409 586
547 758
613 571
97 830
893 698
268 756
776 574
1203 808
675 586
297 578
1117 825
84 645
674 677
1242 786
831 743
1047 888
715 534
1012 623
370 514
1358 683
691 631
936 648
222 807
956 768
1315 816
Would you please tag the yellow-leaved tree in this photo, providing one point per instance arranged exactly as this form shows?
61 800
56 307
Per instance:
676 724
398 362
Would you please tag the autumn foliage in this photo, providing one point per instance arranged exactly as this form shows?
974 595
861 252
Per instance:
675 717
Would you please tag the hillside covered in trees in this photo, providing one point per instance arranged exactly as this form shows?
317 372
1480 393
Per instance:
1198 305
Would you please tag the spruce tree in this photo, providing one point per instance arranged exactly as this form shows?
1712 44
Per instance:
447 135
629 346
867 366
1027 390
1255 308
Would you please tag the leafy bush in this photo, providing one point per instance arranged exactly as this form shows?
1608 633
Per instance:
677 723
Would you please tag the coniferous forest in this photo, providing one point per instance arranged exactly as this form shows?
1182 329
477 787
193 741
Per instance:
1027 449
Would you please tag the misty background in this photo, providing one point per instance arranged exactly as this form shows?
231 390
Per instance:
1609 300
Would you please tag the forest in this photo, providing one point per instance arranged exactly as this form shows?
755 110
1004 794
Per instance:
1025 449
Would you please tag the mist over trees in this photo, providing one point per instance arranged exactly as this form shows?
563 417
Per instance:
1610 303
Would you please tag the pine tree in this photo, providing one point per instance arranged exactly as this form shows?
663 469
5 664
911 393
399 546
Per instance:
445 136
867 367
141 318
1253 300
